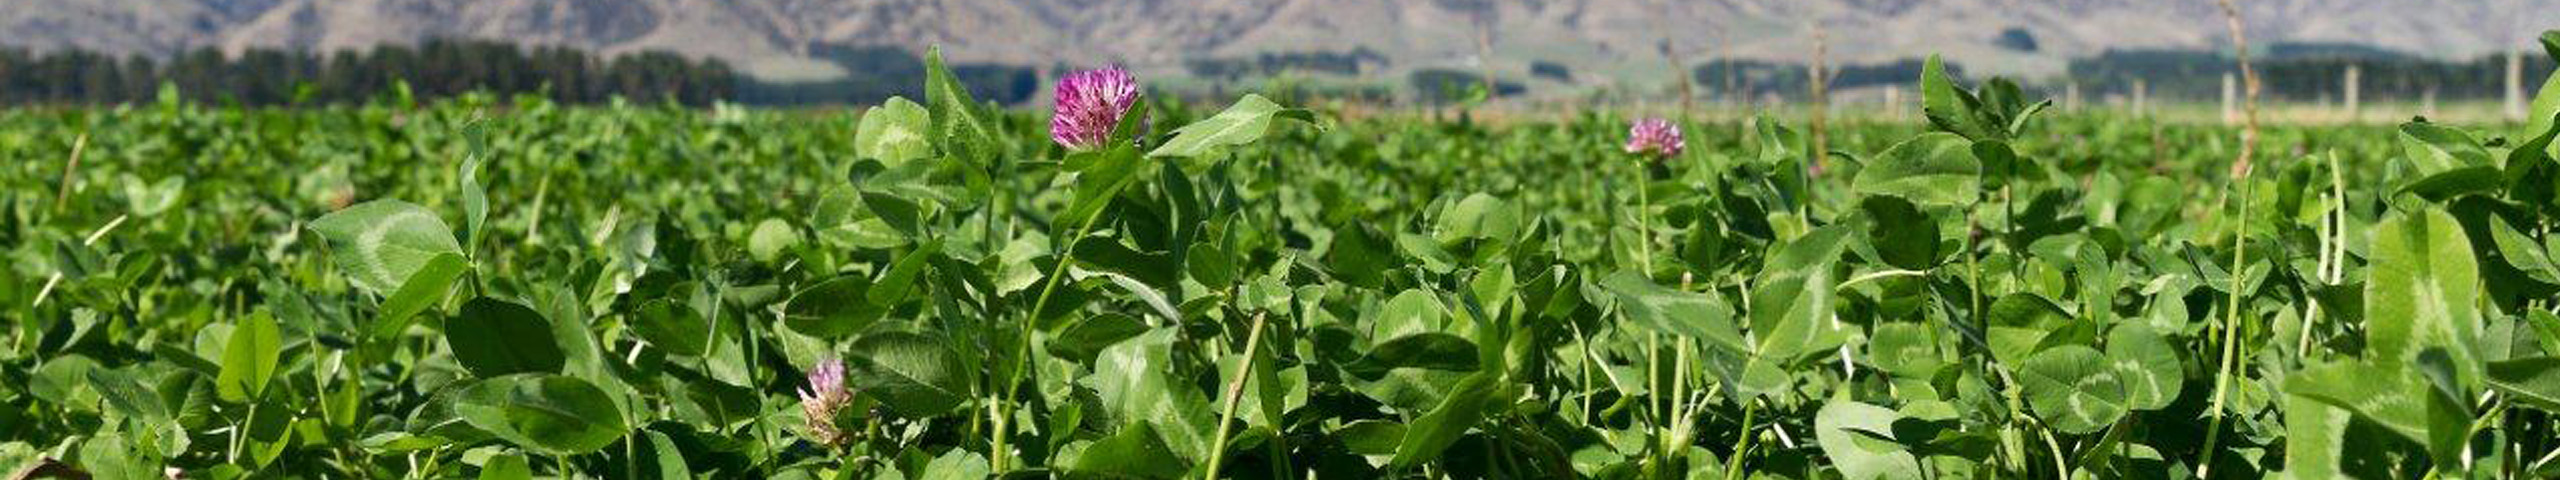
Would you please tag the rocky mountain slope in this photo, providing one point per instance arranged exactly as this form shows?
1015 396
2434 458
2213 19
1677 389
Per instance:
773 38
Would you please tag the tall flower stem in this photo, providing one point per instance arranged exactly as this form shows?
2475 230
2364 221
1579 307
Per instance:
1652 140
2240 242
1090 107
1654 400
1644 224
2230 333
1235 391
1742 445
1022 355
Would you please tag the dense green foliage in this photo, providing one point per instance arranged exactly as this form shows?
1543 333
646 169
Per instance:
459 289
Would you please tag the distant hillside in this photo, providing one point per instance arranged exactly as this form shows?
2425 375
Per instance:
779 38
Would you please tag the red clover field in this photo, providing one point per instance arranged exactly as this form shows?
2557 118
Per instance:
1130 287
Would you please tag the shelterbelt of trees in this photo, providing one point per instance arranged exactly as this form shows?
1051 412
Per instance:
432 69
447 68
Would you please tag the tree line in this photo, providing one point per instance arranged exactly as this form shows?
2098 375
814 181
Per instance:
2291 72
432 69
873 73
2307 74
448 67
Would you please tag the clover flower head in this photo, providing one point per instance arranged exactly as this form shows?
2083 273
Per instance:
1089 104
825 395
1656 138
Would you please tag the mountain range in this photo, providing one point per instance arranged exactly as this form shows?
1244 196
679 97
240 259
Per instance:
775 39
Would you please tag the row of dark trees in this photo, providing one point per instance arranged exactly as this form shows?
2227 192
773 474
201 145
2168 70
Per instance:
435 68
2289 72
2307 74
1756 78
1345 63
874 73
443 68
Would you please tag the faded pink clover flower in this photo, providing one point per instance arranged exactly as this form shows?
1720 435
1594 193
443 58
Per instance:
825 395
1089 104
1656 138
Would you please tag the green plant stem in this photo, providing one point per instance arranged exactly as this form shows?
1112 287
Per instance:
2061 464
1644 223
2115 431
631 450
1741 445
1022 355
1000 208
1677 422
2016 448
1583 342
2009 205
2333 244
754 350
2230 329
1235 390
1973 264
70 173
2320 272
1653 393
236 431
1680 405
1653 375
1279 457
